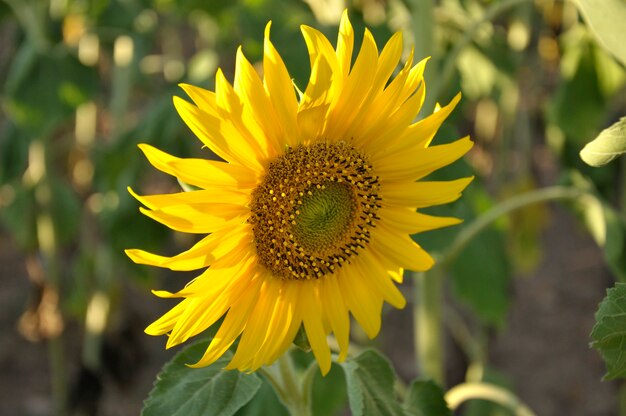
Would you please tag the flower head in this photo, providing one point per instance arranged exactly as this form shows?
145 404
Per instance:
309 214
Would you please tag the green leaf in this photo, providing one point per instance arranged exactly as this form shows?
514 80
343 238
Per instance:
606 19
265 402
329 392
181 390
370 380
609 332
425 398
45 87
301 340
609 144
483 282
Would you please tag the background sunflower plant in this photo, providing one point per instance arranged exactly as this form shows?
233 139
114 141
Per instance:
322 258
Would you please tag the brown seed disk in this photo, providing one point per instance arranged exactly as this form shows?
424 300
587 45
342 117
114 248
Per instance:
314 210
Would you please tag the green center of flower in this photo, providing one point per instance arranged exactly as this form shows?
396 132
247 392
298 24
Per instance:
314 210
325 215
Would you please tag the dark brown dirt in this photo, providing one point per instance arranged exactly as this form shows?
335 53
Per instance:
545 348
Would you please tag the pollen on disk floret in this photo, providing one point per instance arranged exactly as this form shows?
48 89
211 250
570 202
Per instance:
314 210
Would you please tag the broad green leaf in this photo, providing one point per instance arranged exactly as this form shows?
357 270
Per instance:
609 144
481 277
425 398
181 390
265 402
370 380
609 333
606 19
329 392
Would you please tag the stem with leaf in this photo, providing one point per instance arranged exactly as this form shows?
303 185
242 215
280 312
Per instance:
428 299
292 388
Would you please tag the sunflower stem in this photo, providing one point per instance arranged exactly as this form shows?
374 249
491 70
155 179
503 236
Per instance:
428 302
48 249
468 391
423 24
504 208
294 395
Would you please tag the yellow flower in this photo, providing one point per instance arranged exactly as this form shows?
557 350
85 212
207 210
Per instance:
309 215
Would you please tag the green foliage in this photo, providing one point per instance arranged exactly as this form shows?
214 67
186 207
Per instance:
181 390
609 144
43 88
481 277
370 380
329 392
578 105
609 332
264 402
425 398
604 223
606 18
301 340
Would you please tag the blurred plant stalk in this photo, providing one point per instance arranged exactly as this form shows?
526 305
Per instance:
36 176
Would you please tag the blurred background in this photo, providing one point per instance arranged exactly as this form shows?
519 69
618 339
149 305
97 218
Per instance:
84 81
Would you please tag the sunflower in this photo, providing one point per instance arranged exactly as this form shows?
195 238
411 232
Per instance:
308 215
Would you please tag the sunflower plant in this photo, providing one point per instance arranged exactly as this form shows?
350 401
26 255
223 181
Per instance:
307 214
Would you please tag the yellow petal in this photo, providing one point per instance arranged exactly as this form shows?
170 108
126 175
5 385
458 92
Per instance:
200 172
280 90
375 272
421 133
355 91
214 282
408 221
397 123
233 324
336 313
365 304
283 325
414 164
250 89
345 44
210 130
165 323
198 218
203 98
312 317
388 60
401 249
202 254
256 327
425 193
295 322
324 68
205 196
